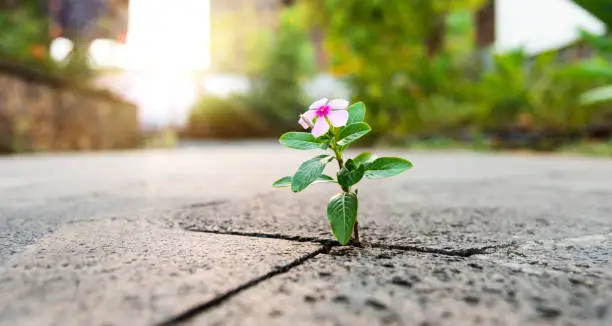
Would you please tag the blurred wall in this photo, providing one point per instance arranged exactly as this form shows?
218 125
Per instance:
40 113
541 25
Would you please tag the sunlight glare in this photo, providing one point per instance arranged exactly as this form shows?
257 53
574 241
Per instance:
169 35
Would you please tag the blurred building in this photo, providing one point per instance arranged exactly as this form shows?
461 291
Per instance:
89 19
537 26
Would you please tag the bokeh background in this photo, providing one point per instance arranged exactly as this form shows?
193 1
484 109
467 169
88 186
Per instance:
477 74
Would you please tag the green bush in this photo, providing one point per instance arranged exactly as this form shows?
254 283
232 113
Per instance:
277 89
275 100
24 40
232 117
23 35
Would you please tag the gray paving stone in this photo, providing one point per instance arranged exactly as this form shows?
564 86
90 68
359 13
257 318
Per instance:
381 287
127 272
88 239
438 214
580 256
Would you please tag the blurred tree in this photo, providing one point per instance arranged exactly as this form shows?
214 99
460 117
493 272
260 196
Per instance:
28 38
388 45
277 90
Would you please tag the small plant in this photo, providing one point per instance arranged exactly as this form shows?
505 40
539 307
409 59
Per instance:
334 126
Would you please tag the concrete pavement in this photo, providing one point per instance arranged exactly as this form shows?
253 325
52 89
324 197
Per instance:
197 236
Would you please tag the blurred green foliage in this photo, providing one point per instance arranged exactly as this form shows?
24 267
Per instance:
276 97
277 90
383 50
25 41
231 117
23 35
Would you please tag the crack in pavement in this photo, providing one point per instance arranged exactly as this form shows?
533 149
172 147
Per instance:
201 308
296 238
465 252
327 245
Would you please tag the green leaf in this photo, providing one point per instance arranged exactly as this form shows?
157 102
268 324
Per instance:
597 95
589 69
286 181
342 214
365 158
301 140
352 132
282 182
350 164
348 177
385 167
356 112
309 172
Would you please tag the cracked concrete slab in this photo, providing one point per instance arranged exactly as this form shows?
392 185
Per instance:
69 257
439 214
129 272
589 255
385 287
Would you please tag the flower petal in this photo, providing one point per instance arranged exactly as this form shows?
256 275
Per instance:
338 104
319 103
310 115
338 118
303 123
320 128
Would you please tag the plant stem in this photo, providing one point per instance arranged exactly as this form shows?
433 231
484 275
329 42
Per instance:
338 154
356 234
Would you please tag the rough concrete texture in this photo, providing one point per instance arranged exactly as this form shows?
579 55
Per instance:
128 272
99 239
589 255
352 286
440 214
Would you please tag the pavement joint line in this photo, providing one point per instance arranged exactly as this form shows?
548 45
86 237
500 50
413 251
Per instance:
466 252
217 301
295 238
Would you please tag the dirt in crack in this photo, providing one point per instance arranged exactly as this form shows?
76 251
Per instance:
202 308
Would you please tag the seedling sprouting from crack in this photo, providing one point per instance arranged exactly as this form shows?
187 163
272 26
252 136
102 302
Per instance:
334 126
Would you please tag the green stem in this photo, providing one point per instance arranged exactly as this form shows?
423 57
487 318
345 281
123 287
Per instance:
337 153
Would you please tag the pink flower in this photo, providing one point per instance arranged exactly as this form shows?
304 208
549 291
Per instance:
334 110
